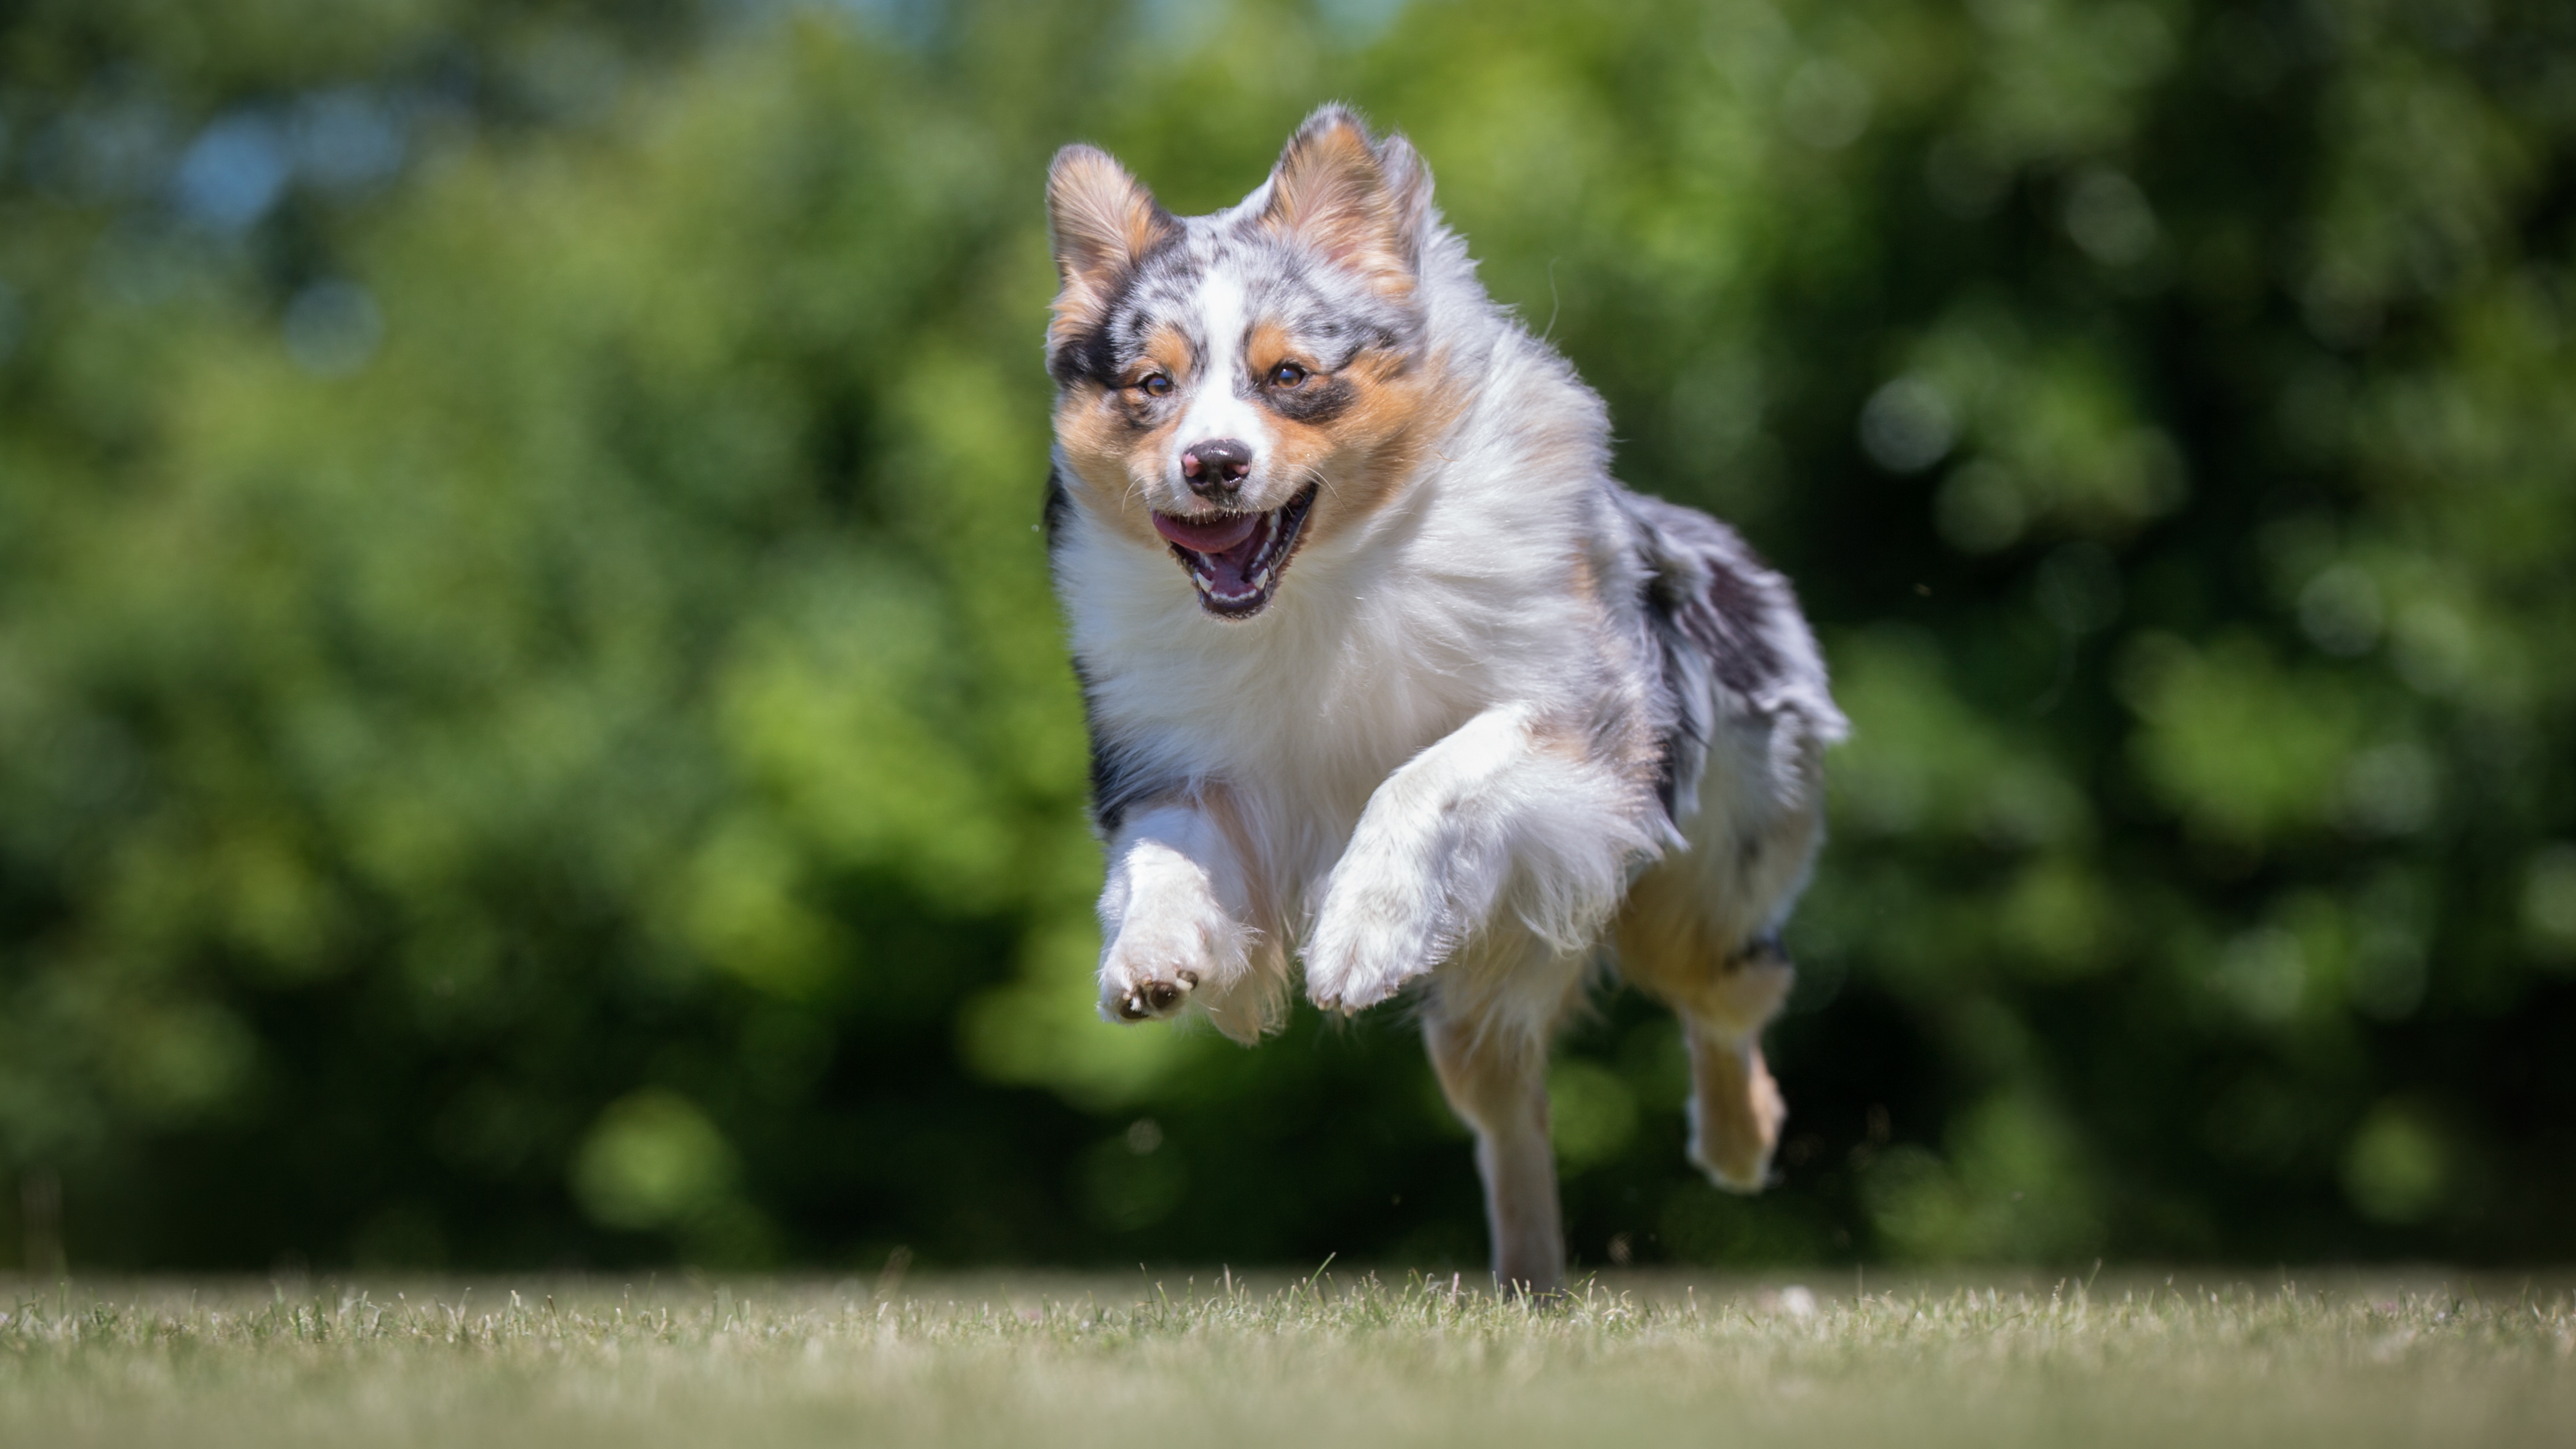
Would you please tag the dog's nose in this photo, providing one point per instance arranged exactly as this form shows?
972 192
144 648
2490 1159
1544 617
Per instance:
1216 467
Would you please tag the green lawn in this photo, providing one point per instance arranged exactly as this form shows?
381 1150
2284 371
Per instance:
1338 1360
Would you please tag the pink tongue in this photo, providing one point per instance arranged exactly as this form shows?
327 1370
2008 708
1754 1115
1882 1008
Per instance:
1214 536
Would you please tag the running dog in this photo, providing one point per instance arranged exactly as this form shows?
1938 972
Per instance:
1381 664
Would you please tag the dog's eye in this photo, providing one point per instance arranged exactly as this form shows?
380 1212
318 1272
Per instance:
1287 374
1154 384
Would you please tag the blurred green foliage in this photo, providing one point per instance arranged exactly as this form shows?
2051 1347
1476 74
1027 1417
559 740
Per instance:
536 731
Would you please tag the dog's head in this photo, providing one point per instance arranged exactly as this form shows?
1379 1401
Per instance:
1230 385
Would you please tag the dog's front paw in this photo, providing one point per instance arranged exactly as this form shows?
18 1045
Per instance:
1371 937
1167 952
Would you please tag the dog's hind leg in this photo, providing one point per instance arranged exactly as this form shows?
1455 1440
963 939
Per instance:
1699 931
1495 1077
1736 1109
1724 998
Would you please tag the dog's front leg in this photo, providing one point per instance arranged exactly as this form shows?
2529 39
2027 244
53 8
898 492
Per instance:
1172 923
1504 803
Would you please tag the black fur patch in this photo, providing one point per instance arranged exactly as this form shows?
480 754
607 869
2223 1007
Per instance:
1721 614
1726 620
1118 782
1762 950
1058 507
1093 355
1687 739
1318 403
1117 786
1707 595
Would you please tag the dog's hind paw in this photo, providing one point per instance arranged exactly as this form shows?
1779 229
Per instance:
1736 1111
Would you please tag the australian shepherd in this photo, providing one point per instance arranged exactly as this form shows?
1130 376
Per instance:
1384 671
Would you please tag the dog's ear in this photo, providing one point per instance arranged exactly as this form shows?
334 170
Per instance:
1362 203
1101 222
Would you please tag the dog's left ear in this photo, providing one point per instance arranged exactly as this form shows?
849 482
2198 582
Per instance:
1361 202
1101 222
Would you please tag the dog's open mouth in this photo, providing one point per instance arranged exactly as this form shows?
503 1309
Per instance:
1236 558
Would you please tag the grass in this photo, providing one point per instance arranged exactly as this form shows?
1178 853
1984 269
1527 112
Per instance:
1329 1360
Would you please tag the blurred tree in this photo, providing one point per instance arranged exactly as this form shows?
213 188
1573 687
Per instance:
538 733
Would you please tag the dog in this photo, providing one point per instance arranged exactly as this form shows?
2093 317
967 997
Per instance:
1378 660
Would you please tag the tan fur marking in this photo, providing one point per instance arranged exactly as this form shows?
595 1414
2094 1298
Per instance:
1585 580
1270 345
1113 461
1098 439
1166 352
1376 445
1550 738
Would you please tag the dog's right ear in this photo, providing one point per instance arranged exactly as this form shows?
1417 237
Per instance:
1101 222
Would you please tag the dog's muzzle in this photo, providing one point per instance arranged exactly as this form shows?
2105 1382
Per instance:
1235 559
